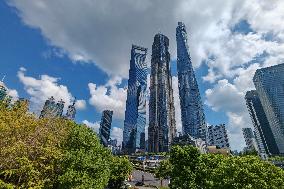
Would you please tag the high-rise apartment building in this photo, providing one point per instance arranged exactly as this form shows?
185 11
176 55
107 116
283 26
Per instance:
269 84
192 113
263 134
135 113
105 127
71 111
249 139
217 136
52 109
162 125
3 91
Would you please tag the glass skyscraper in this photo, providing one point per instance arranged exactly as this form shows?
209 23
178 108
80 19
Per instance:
264 137
269 83
162 125
192 114
135 114
105 127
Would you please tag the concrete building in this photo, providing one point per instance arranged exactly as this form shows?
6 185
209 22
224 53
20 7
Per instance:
186 139
3 91
51 109
217 136
249 139
71 111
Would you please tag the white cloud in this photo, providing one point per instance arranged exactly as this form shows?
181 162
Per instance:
226 97
14 94
43 88
94 125
80 104
109 96
116 133
104 31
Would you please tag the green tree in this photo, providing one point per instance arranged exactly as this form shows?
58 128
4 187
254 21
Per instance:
120 168
86 161
164 169
190 169
52 153
30 147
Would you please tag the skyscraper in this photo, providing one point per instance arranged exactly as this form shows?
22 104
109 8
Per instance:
105 127
71 111
217 136
249 139
162 125
192 114
269 83
3 91
135 113
52 109
264 137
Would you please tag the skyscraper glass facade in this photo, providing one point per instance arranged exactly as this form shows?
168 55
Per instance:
135 113
192 114
264 137
105 127
269 83
162 126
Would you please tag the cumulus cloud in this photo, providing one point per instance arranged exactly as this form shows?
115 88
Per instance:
80 104
116 133
94 125
226 97
13 93
109 96
103 33
43 88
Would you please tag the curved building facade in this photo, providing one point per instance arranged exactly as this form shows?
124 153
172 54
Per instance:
135 114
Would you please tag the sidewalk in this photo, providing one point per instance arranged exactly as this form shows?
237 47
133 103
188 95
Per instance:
149 179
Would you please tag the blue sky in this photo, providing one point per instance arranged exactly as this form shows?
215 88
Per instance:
82 50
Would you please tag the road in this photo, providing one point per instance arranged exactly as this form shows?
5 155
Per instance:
149 179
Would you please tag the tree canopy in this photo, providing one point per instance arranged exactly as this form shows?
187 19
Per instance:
52 153
187 168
